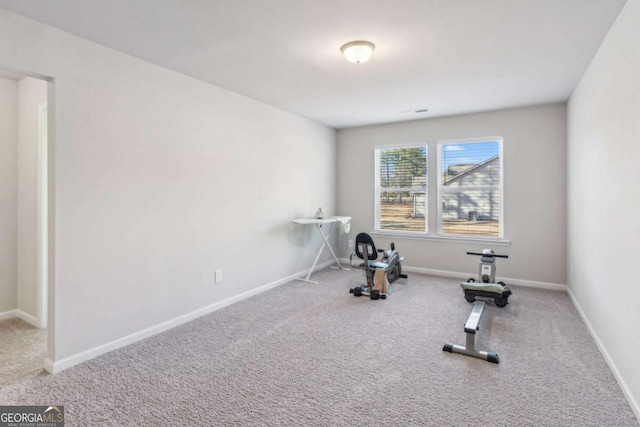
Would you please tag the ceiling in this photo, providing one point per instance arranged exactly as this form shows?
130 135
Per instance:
448 56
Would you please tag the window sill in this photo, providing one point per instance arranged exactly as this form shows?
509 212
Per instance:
437 238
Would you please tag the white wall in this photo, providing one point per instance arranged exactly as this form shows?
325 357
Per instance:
31 93
8 193
534 188
160 180
603 208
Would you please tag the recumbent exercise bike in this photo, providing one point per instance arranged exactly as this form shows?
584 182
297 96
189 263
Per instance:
390 263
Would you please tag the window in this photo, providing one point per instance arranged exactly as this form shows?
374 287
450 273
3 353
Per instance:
401 188
470 188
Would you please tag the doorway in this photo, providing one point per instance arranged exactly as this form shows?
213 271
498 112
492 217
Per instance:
24 219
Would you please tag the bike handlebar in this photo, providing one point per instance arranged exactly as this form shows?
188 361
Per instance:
488 255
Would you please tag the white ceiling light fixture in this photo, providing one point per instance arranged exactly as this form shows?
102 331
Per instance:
358 51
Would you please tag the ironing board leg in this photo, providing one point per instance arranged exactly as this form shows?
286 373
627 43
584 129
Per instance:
327 244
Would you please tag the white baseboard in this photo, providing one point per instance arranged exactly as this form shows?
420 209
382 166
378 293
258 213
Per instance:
635 407
48 365
508 280
8 314
60 365
464 276
33 321
12 314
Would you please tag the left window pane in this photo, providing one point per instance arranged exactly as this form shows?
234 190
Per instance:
401 188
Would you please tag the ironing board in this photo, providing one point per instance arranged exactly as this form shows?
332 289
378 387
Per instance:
344 221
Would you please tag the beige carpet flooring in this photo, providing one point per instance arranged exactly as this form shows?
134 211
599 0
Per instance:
22 351
314 355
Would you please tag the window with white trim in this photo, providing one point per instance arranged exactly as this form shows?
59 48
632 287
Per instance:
470 188
401 188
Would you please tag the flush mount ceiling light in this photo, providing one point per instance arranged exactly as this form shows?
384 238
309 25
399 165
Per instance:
358 51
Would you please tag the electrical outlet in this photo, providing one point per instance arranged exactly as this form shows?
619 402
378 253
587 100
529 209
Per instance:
350 243
218 276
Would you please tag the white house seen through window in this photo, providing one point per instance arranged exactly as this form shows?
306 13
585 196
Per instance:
470 188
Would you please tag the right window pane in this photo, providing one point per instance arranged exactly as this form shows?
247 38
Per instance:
470 191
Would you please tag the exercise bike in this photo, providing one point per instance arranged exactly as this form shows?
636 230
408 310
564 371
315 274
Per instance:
390 265
481 292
